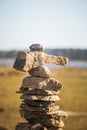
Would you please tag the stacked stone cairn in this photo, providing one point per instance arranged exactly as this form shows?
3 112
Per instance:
39 90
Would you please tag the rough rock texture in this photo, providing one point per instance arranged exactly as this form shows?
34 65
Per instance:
38 126
41 71
23 126
39 103
41 83
36 47
39 109
43 98
30 60
39 91
43 114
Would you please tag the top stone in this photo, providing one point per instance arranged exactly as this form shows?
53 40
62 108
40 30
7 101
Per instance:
26 61
36 47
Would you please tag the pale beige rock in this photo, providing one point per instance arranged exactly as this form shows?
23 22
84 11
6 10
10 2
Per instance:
41 71
36 47
58 113
41 83
43 98
43 109
27 61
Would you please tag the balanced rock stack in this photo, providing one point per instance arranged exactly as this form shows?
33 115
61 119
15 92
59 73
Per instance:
39 90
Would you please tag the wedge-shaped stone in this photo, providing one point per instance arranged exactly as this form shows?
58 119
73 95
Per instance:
41 109
43 98
28 60
41 71
39 103
38 92
41 83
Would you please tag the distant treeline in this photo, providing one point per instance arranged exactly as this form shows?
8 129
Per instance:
73 54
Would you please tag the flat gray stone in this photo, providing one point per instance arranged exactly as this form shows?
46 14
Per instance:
41 118
41 109
41 71
43 98
49 115
41 83
20 61
38 92
27 126
38 126
39 103
29 60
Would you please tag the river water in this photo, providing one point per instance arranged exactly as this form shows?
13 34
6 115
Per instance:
78 64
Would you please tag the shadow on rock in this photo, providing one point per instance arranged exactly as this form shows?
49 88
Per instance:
3 128
1 110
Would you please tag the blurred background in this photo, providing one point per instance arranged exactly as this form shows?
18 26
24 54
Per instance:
61 27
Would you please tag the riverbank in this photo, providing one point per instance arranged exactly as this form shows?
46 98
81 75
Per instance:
71 64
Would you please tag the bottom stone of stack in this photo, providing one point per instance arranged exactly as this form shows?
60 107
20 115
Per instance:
38 126
23 126
47 122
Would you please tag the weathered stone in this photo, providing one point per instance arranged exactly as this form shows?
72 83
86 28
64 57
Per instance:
23 126
45 121
43 98
48 115
38 92
55 128
41 71
37 47
29 60
58 113
20 61
27 126
42 109
38 126
39 103
41 83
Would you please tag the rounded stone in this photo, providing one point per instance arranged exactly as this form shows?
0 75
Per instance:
36 47
41 71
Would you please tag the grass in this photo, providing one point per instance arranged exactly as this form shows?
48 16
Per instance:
73 96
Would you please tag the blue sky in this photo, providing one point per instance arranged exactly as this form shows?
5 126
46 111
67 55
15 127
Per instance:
54 23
